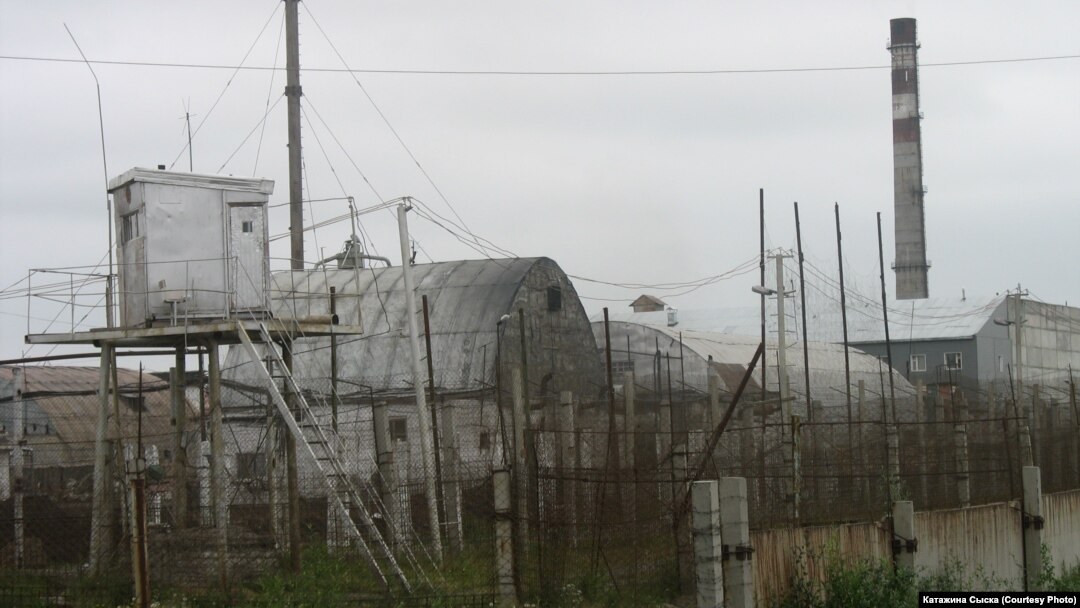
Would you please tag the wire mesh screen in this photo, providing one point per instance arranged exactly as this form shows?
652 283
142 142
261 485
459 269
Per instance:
597 505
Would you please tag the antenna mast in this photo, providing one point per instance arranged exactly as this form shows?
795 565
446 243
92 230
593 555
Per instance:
292 94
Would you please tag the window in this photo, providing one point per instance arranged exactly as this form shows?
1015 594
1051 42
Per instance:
250 465
129 227
554 298
954 361
621 367
248 226
485 441
917 363
1001 364
398 429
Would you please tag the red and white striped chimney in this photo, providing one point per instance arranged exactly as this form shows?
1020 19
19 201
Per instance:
910 265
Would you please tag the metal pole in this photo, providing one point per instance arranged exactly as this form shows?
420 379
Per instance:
843 319
802 305
781 349
293 93
18 462
333 365
180 461
885 313
292 481
761 281
427 448
440 491
217 467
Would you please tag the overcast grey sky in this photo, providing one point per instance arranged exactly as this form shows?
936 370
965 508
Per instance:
630 178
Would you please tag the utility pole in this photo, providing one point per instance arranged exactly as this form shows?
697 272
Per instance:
781 354
293 94
427 446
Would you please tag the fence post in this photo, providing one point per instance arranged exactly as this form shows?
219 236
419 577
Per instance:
18 460
180 460
101 516
450 481
564 488
629 420
708 576
504 539
904 541
796 465
737 553
892 448
387 472
273 478
218 496
520 466
202 473
963 480
1032 520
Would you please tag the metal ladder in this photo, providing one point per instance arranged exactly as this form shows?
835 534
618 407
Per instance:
323 446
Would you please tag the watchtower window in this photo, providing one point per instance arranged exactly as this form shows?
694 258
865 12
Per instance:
129 227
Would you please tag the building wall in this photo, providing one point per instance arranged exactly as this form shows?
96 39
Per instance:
934 351
1051 343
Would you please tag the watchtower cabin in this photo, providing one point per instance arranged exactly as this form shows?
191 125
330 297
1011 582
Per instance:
190 246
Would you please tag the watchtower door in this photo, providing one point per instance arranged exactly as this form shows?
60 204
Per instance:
247 256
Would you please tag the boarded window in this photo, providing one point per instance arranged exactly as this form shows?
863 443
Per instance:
250 465
399 430
554 298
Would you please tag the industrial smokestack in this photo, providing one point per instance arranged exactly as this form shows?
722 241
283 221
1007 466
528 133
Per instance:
910 265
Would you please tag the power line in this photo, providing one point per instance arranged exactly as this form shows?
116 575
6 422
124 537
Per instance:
425 72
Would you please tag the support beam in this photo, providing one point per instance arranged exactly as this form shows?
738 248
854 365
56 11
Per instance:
101 516
218 495
180 456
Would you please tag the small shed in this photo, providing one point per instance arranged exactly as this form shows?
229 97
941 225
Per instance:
647 303
190 245
61 405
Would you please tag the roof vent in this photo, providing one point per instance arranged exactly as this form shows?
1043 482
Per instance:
672 316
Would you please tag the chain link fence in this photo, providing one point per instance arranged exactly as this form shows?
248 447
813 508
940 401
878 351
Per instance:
597 505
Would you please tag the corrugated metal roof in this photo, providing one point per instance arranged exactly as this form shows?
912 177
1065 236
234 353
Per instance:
466 300
931 319
66 399
73 380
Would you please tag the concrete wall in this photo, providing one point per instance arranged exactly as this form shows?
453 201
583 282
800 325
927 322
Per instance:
982 544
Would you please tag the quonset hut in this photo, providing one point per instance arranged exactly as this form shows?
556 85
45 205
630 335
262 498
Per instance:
687 358
475 312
